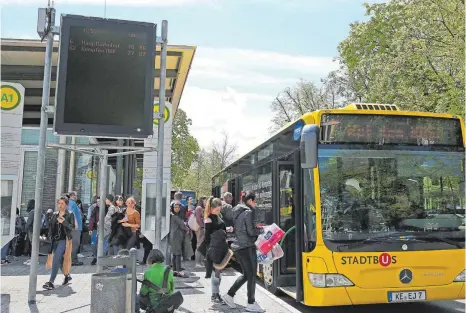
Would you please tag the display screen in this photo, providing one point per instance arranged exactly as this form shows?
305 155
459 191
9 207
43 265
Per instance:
106 75
390 129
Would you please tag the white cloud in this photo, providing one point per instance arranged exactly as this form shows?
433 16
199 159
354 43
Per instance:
244 110
113 2
213 111
255 66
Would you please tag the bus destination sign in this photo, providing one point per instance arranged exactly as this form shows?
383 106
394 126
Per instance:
390 129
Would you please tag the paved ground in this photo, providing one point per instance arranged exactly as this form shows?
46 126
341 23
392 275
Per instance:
196 291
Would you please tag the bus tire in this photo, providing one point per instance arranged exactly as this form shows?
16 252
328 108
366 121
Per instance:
267 279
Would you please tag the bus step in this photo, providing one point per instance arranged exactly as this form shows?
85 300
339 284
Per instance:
289 290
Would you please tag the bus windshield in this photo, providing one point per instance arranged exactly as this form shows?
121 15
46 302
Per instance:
378 197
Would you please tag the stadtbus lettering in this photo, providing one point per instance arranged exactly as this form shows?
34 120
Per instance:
372 259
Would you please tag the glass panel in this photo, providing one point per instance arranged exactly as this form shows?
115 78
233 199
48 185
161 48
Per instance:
7 200
29 180
287 217
150 206
369 194
309 210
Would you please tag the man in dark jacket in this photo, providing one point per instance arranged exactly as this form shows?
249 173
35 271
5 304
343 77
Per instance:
227 209
245 251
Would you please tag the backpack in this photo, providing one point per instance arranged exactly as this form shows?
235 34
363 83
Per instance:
167 303
192 222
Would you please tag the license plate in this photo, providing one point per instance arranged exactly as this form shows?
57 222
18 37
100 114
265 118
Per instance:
406 296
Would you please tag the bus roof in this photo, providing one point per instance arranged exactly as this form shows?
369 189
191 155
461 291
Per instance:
366 108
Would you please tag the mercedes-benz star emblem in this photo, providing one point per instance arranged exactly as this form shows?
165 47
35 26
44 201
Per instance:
406 276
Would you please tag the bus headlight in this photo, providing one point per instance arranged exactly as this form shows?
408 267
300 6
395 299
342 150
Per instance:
460 277
328 280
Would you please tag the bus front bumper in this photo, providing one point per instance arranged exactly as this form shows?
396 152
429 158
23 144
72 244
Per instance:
453 291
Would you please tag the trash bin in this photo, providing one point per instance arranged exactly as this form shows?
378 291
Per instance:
108 293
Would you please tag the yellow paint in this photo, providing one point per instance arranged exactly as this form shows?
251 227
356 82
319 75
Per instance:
166 114
10 97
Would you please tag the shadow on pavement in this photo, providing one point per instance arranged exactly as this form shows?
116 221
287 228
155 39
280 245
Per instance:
428 307
61 292
5 303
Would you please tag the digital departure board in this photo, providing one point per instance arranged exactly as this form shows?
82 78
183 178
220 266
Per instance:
106 78
390 129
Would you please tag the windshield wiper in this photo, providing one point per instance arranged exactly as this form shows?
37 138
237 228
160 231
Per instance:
437 238
362 243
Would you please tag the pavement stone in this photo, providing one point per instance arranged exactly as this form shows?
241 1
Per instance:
75 298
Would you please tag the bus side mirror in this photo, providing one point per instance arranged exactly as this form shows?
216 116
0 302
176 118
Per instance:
308 146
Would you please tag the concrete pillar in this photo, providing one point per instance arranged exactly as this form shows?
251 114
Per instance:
126 171
118 170
72 166
61 166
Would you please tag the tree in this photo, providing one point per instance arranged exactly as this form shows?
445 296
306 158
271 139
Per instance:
223 152
208 163
410 52
184 148
305 97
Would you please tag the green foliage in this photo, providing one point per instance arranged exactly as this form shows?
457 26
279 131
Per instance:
207 163
184 149
410 52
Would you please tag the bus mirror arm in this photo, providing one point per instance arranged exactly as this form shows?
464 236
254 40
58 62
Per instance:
308 146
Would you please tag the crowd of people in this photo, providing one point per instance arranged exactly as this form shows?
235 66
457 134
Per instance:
206 227
197 232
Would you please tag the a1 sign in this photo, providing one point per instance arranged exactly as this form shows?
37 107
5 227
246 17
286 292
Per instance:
11 97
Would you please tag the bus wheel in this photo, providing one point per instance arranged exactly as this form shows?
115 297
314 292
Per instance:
267 278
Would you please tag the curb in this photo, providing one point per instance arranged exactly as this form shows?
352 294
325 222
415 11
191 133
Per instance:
278 300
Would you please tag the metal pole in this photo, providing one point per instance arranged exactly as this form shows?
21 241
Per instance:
119 168
61 169
160 146
41 159
133 256
72 166
126 171
103 195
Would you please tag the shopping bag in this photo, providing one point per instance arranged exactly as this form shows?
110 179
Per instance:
274 254
270 237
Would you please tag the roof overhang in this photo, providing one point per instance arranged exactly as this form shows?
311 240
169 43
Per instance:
22 61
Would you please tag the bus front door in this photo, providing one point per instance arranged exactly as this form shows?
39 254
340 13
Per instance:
285 268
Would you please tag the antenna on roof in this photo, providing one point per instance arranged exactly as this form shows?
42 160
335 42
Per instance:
105 8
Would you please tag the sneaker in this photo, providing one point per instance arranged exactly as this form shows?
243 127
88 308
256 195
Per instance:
199 265
254 308
48 286
229 300
77 264
67 280
3 262
217 299
80 255
94 261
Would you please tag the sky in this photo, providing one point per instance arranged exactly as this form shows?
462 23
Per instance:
248 51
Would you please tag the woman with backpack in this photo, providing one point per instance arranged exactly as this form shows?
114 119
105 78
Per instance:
216 244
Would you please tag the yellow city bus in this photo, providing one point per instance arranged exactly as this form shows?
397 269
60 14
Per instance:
372 200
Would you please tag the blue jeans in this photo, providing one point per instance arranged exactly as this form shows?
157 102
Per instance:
58 253
95 241
5 250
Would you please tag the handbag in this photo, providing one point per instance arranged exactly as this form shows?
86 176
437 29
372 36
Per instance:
167 303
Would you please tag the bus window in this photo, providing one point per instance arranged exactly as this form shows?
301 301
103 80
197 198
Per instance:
309 210
287 218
